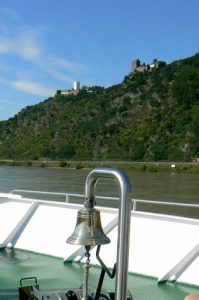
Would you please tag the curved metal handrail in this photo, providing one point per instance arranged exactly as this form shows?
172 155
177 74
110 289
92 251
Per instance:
123 225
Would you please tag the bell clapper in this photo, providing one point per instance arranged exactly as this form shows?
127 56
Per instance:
86 273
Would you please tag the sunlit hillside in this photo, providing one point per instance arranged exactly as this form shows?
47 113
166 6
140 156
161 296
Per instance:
151 115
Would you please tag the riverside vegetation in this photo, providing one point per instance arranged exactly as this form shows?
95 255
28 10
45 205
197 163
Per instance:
188 168
150 116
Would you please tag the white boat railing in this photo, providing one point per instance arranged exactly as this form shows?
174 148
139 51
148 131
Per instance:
68 196
178 268
168 203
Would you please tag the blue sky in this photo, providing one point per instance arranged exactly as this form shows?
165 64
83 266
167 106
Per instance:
45 44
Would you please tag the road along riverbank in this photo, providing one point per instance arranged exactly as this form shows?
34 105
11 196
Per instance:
174 167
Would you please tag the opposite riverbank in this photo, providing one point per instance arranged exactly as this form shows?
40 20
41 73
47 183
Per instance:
174 167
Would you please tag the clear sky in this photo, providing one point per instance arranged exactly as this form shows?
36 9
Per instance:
47 44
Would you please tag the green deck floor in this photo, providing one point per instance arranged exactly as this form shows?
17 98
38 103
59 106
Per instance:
52 273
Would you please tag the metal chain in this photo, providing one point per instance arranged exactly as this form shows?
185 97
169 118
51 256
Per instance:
86 273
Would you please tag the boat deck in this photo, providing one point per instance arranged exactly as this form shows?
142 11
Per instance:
52 273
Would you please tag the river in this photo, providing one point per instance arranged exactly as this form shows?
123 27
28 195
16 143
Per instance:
145 185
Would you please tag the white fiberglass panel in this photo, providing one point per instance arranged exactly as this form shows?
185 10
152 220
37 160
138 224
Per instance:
191 274
10 215
158 243
49 228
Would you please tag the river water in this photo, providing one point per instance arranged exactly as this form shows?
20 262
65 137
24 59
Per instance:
145 185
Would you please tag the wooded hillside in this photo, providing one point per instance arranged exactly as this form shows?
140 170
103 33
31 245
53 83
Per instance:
150 116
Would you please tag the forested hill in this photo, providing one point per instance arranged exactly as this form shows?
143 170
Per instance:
150 116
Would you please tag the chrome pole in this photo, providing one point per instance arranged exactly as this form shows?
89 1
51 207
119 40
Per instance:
123 225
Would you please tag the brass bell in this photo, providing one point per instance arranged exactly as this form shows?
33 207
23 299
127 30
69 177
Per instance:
88 230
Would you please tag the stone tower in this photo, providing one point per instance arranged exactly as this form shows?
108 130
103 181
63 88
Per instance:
135 64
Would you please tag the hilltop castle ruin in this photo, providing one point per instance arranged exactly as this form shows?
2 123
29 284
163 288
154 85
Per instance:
74 91
137 67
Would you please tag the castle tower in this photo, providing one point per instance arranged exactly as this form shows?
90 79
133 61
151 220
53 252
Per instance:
135 64
76 85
